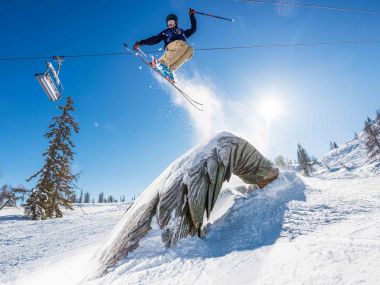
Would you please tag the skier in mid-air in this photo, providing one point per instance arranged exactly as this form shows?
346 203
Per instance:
177 51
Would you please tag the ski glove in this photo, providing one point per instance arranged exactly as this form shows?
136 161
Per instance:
137 45
191 11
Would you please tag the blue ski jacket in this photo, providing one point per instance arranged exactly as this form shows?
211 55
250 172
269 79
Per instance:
171 34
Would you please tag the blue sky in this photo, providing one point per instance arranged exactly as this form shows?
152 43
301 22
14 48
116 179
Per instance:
130 128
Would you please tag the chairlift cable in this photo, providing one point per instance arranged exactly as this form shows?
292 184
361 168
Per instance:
314 6
287 45
276 45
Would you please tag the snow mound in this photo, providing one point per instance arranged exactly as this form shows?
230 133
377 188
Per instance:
183 195
239 223
350 160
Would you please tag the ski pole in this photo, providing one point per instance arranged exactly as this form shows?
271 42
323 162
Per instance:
210 15
143 53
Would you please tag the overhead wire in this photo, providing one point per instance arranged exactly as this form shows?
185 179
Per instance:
292 45
274 45
315 6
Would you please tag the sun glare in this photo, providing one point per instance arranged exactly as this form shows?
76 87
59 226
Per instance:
270 108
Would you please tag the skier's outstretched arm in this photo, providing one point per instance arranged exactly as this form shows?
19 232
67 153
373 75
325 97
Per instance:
152 40
193 21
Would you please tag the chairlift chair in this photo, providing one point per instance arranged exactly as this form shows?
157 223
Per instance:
53 89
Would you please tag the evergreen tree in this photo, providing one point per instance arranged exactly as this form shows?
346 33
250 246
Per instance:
335 145
86 197
101 197
356 136
55 186
289 164
10 195
280 161
93 200
372 138
74 198
80 197
331 145
304 160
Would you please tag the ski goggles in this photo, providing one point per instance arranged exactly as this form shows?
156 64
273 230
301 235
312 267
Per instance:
171 23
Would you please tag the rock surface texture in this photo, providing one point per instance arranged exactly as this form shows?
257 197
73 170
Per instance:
184 195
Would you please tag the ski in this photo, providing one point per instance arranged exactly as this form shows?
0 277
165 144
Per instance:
144 58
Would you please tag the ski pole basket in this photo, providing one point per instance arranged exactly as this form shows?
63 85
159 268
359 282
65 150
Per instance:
52 88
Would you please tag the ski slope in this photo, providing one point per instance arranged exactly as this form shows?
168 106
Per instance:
26 246
297 230
350 160
325 233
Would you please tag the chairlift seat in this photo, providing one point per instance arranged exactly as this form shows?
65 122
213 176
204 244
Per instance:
48 86
50 82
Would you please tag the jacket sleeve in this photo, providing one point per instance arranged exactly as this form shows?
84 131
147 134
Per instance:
153 40
193 28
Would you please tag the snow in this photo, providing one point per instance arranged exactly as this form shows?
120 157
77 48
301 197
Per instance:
350 160
318 230
322 234
26 245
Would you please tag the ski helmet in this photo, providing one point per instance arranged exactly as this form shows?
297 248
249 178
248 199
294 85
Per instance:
172 17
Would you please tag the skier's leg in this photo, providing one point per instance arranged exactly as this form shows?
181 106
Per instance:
173 52
185 57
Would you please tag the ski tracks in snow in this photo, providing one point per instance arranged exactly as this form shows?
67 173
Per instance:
329 202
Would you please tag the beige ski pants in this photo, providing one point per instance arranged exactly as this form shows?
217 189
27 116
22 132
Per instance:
176 54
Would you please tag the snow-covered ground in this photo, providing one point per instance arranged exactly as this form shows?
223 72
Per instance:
350 160
26 246
327 234
319 230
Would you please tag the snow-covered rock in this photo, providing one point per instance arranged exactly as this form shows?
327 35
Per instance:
183 196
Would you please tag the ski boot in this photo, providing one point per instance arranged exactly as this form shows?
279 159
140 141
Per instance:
163 69
167 73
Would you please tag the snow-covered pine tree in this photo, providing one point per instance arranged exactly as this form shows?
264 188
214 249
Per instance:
101 197
356 136
74 198
80 200
86 197
289 163
372 137
331 145
335 145
10 195
55 186
280 161
314 160
304 160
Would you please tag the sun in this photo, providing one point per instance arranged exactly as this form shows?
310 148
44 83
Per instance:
270 108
